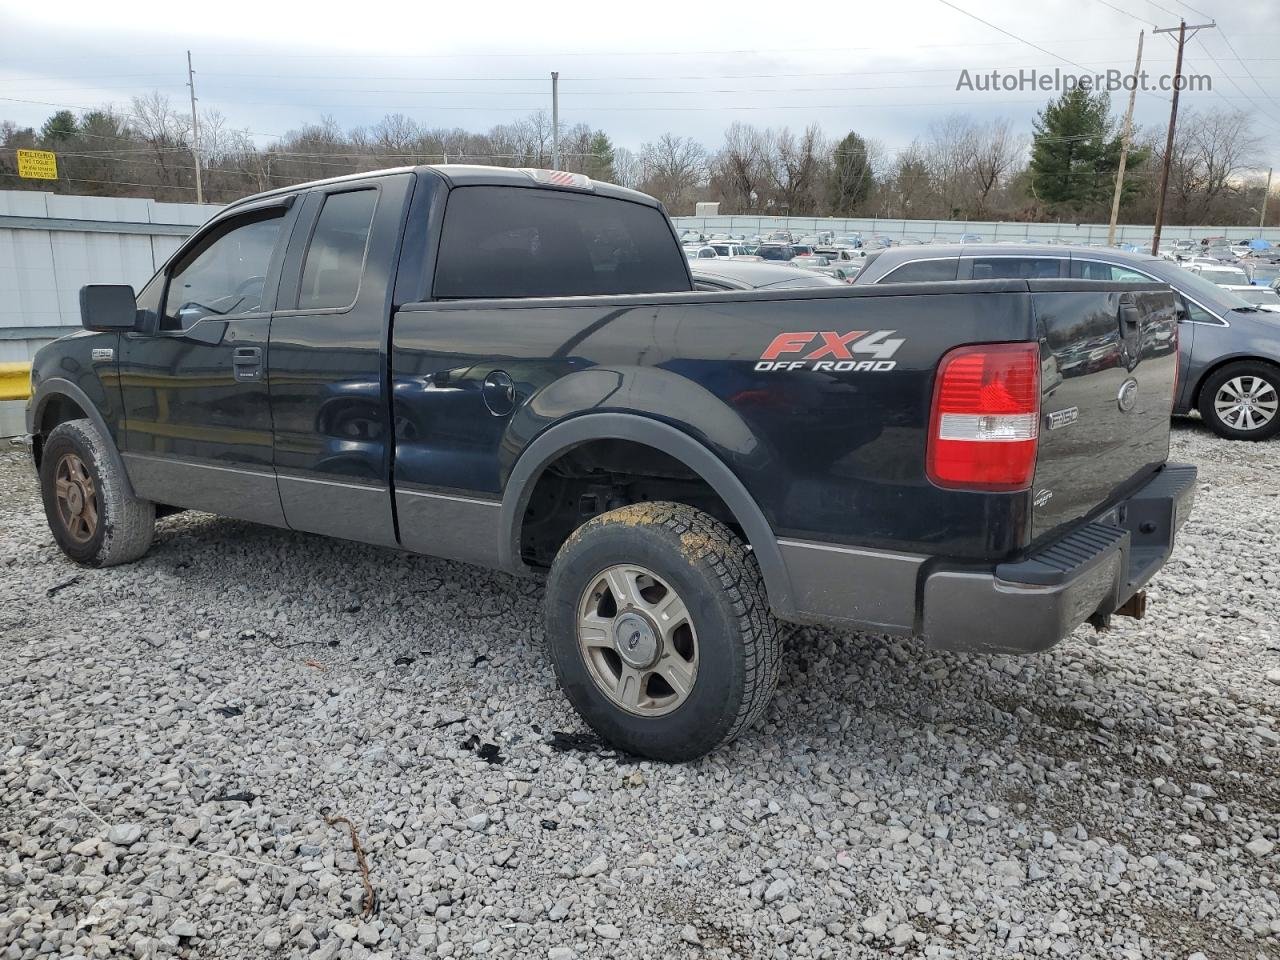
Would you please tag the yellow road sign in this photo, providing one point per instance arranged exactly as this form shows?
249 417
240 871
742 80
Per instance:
38 164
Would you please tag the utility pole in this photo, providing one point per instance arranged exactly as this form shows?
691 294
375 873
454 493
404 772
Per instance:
555 120
1266 195
195 129
1124 145
1182 29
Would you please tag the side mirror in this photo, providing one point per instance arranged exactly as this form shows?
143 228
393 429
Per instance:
107 307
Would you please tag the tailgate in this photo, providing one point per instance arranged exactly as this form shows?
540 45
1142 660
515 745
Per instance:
1110 355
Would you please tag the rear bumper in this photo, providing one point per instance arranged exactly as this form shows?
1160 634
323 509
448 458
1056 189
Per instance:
1021 607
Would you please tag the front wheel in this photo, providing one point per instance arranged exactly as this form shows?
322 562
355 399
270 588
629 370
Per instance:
94 521
1242 401
660 631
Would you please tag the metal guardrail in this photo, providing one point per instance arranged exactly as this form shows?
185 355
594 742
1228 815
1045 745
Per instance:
15 381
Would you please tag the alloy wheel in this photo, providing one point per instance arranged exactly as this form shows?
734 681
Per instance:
638 641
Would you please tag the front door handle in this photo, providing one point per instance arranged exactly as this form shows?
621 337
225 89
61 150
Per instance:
246 363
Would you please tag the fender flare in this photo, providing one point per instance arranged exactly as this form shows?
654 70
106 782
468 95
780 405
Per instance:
576 431
57 386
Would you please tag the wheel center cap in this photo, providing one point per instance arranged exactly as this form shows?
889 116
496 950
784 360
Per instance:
635 640
75 498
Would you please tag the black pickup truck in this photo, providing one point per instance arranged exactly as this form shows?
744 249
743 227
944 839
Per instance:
514 368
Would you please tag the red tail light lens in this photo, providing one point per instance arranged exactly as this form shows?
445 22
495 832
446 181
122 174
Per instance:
985 420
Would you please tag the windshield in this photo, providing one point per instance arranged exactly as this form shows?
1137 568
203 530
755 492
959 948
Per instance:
1266 271
1224 276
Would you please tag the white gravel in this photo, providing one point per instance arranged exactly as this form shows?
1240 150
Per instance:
1117 797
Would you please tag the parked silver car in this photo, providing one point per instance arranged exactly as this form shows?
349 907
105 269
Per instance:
1229 349
754 275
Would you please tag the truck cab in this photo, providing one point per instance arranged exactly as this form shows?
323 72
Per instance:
513 368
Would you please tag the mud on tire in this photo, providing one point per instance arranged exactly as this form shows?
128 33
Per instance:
718 582
93 519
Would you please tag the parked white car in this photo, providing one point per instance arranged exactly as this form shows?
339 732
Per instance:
724 249
1221 274
694 252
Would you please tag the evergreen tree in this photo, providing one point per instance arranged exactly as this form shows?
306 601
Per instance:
850 180
1075 153
58 128
600 159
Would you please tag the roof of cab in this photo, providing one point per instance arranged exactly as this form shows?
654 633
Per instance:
460 175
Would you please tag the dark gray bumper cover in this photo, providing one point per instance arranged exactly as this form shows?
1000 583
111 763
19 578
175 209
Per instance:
1030 605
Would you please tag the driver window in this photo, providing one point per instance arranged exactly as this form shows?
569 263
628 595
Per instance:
225 277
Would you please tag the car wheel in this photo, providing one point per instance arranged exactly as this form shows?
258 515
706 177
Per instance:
1242 401
94 521
660 631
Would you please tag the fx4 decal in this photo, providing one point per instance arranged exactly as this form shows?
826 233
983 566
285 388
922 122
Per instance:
831 351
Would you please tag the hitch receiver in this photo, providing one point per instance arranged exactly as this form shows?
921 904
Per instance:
1135 606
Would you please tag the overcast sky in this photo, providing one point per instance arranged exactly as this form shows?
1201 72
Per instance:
886 68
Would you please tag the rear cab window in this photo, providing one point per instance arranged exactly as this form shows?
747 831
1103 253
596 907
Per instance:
499 242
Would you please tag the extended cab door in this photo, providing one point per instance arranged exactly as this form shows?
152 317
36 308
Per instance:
467 359
197 427
328 370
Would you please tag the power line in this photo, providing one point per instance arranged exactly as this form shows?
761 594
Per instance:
1262 113
1232 48
1132 16
1191 8
988 23
1152 3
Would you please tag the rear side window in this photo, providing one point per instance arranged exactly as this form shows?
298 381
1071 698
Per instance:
335 256
517 242
1093 270
922 271
1015 268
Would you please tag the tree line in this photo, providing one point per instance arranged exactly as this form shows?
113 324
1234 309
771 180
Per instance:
960 168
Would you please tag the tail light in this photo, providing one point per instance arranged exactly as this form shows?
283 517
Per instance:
985 421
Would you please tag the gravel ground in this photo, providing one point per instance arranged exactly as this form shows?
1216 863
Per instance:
175 733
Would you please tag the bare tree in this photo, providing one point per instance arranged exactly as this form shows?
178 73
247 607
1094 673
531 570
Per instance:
997 154
797 167
949 153
741 168
1211 152
673 167
628 170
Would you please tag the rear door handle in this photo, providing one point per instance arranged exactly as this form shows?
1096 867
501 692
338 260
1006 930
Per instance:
246 363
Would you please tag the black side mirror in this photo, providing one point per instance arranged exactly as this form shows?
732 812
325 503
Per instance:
108 306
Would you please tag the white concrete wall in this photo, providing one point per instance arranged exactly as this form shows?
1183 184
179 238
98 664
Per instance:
41 271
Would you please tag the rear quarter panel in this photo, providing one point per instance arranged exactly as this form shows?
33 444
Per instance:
830 455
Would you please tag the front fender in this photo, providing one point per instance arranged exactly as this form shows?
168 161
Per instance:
47 390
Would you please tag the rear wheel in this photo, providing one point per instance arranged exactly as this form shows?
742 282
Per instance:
94 521
660 631
1242 401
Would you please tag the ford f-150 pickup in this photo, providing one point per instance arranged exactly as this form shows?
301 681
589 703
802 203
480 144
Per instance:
513 368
